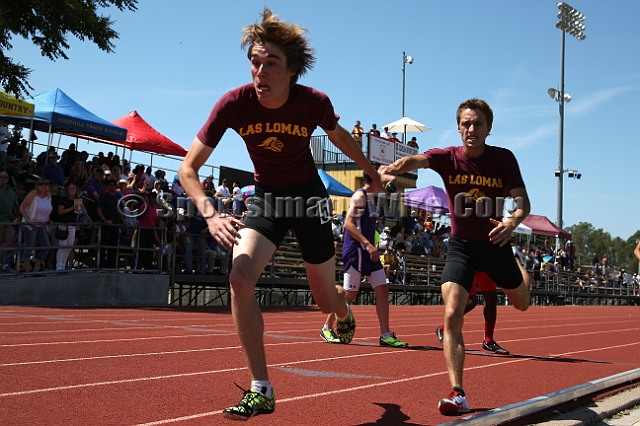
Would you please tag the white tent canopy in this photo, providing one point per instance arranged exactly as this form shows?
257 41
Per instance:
407 125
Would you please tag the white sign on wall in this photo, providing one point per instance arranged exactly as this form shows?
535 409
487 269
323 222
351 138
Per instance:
386 152
381 150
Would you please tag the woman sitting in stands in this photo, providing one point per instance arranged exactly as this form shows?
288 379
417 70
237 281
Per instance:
35 210
68 210
147 233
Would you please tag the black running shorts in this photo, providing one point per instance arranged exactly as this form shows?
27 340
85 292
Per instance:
464 258
306 208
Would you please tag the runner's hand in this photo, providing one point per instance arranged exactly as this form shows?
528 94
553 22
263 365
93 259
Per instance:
501 234
373 252
223 229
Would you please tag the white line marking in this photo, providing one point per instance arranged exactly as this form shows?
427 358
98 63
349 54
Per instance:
357 388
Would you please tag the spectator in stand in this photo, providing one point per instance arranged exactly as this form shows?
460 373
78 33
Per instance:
52 171
207 186
374 130
79 171
22 155
35 210
357 133
176 189
9 209
116 173
238 201
391 265
28 177
337 229
386 134
571 254
56 197
43 157
111 216
181 236
197 236
68 159
413 143
385 239
537 267
394 137
68 209
115 162
595 259
21 193
605 267
123 187
225 201
126 171
147 233
5 135
95 188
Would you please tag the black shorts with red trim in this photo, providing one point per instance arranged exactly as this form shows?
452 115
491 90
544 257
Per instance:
464 258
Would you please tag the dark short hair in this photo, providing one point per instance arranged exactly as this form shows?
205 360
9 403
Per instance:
480 105
112 182
366 179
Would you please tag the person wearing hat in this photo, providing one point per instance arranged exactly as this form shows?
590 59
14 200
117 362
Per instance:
52 170
394 137
122 187
374 130
385 239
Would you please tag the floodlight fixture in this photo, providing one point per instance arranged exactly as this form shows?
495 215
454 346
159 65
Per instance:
570 21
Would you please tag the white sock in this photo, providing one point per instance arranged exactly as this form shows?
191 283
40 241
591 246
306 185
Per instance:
385 335
263 386
346 316
326 327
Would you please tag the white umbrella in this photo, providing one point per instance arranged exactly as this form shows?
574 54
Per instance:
407 125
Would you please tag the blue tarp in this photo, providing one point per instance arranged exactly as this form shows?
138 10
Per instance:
334 187
58 113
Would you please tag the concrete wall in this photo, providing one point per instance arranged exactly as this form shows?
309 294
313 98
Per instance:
90 289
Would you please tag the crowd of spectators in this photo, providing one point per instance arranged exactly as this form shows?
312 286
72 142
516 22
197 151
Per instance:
546 264
358 132
52 203
417 233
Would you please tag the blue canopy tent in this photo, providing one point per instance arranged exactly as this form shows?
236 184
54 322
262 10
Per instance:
334 187
55 112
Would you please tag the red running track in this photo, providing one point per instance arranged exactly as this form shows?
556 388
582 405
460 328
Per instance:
134 366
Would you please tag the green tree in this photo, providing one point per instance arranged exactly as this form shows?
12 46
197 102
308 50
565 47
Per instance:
589 240
47 24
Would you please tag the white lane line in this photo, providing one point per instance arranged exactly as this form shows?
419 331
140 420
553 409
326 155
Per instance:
181 375
358 388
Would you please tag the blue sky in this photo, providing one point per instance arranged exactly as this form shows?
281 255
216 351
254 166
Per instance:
175 59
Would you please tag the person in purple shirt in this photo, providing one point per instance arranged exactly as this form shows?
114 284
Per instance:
361 257
477 178
275 117
53 171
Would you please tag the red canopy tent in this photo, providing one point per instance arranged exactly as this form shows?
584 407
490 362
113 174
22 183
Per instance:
540 225
140 137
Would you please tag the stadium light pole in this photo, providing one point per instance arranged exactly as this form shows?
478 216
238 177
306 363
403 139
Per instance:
405 59
569 21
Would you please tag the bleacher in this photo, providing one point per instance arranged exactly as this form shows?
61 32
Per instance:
284 282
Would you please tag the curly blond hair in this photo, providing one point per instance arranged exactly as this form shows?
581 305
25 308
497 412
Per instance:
289 37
